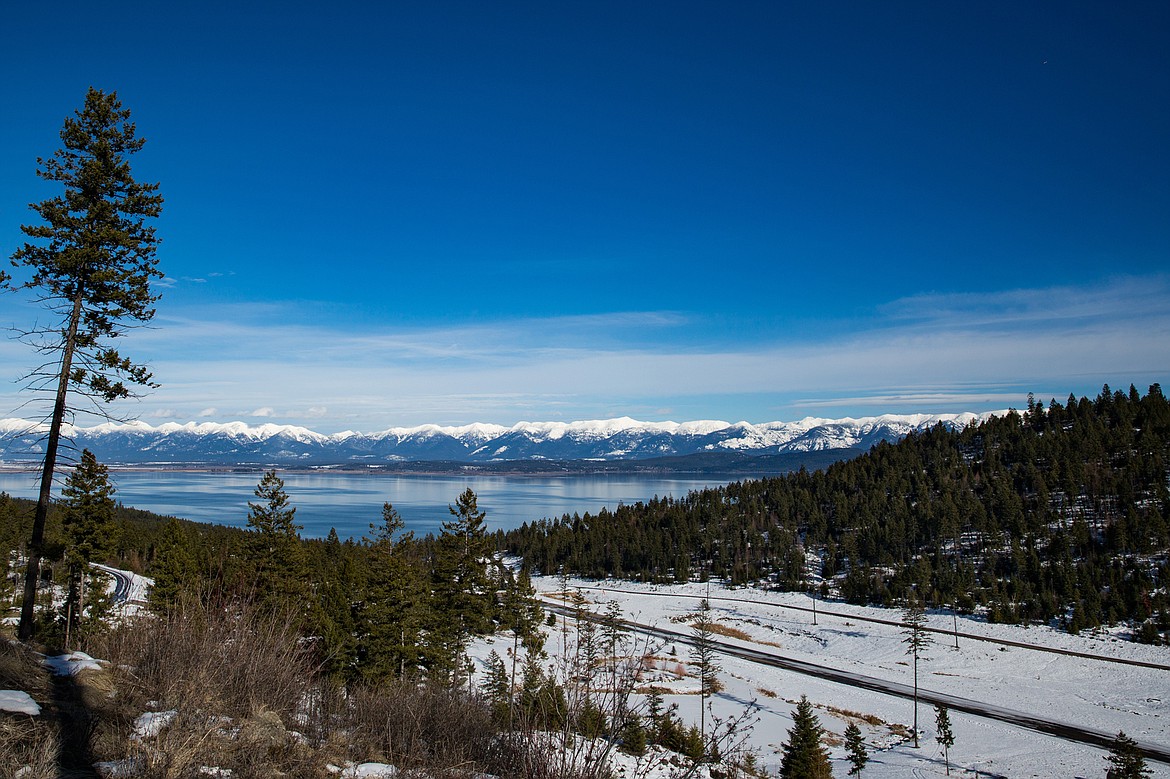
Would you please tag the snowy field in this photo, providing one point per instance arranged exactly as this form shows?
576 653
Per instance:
1104 696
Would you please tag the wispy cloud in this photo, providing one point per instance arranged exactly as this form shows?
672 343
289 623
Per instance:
946 352
1123 299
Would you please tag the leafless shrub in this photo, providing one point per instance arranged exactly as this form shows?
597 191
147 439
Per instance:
419 727
233 675
533 754
227 658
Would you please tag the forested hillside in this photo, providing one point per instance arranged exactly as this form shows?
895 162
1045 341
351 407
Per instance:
1060 512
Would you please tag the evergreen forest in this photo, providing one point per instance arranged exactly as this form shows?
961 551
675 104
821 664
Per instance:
1059 513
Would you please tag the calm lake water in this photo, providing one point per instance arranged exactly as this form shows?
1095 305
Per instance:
349 502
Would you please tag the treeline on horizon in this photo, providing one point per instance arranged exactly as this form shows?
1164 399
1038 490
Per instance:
1057 513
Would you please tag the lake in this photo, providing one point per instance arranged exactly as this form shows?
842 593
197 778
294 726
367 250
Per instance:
349 502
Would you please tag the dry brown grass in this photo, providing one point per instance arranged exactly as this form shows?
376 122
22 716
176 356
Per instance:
28 745
235 675
248 698
77 723
856 716
418 727
227 658
726 630
21 669
900 730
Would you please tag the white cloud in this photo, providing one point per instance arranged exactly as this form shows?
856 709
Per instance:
951 352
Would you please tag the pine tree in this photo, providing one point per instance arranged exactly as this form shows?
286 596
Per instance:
88 501
634 737
274 548
463 597
91 260
944 735
523 615
613 631
395 608
706 660
804 755
1125 759
338 584
496 687
173 568
855 749
916 640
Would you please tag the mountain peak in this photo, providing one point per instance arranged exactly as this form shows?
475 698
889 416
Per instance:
620 438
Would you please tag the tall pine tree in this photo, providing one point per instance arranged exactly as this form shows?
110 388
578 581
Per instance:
91 260
173 569
917 639
274 548
395 610
705 658
464 597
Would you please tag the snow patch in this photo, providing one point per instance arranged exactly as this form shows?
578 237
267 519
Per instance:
18 702
71 664
364 770
151 723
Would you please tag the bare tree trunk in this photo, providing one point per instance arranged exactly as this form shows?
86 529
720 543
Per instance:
916 699
36 543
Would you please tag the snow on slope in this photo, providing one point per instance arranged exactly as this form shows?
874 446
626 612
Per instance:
606 439
1105 696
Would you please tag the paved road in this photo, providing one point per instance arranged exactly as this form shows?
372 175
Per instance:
1056 728
121 582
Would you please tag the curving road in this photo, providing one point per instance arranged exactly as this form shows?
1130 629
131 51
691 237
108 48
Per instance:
1050 727
122 582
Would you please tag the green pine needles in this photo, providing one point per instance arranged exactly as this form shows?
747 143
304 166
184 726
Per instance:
89 262
804 754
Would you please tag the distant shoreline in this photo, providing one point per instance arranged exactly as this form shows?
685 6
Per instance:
745 466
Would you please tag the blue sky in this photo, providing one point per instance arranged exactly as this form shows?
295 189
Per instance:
453 212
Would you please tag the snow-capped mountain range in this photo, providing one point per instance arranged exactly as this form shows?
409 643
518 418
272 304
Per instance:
237 443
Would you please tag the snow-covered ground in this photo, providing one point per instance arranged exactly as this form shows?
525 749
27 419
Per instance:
1089 693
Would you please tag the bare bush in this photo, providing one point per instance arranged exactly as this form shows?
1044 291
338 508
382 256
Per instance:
234 677
419 726
230 658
